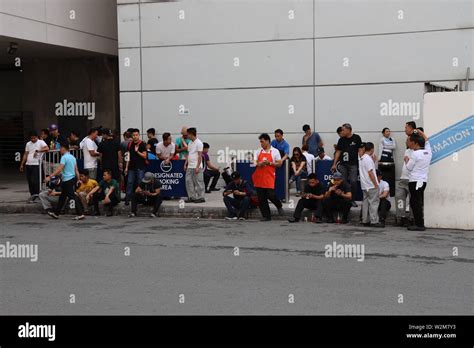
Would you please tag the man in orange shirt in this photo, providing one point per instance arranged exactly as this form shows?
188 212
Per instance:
268 159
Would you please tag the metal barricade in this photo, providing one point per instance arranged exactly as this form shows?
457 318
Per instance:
50 161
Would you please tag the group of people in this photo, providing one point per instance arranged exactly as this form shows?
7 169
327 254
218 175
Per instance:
123 166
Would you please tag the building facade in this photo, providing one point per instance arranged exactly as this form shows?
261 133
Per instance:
235 68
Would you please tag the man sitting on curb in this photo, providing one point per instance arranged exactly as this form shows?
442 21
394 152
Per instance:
242 192
384 195
337 199
51 195
107 192
86 186
147 193
311 199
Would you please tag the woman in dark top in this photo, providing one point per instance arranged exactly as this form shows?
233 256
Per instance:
298 168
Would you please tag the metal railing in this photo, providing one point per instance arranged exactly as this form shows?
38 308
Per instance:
49 162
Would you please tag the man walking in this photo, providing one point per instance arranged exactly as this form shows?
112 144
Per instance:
33 150
268 159
69 172
347 156
194 168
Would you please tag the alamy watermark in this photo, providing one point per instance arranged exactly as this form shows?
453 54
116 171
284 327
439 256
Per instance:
404 109
335 250
67 108
19 251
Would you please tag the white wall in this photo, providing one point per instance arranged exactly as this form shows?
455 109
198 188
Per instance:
449 195
93 28
284 62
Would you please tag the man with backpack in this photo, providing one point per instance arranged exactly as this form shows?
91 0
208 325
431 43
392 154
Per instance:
136 164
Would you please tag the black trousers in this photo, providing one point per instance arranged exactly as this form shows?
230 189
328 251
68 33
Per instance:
227 178
146 200
32 176
68 190
312 204
211 174
100 196
332 205
384 207
265 194
417 203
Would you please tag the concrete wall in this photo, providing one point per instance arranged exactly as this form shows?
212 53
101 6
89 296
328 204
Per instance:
450 187
83 24
335 61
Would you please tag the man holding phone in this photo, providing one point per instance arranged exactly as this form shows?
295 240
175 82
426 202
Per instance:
147 193
311 198
242 192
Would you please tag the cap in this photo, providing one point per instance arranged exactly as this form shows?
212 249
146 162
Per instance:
54 182
107 131
53 127
320 150
235 175
337 175
148 177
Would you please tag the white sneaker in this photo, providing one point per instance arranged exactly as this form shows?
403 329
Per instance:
231 218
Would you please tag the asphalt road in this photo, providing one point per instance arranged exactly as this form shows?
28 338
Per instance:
277 263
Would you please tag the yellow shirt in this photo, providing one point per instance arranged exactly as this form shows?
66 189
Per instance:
87 187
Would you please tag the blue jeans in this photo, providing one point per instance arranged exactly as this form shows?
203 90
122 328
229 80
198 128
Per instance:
135 176
297 179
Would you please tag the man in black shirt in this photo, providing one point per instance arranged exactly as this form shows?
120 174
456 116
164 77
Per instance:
136 164
337 199
311 198
242 192
147 193
54 140
110 154
152 141
347 155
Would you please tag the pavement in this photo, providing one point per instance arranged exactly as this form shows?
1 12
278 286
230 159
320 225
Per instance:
14 196
171 266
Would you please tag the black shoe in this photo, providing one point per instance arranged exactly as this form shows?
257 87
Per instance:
265 219
292 219
127 203
53 215
281 212
215 189
109 213
208 191
354 204
95 213
330 221
200 200
378 224
416 228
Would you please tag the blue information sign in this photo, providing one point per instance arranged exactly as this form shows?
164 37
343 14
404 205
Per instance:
171 176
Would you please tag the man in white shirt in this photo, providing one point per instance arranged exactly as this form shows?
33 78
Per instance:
418 168
322 155
384 195
33 150
194 169
166 149
89 149
369 185
309 159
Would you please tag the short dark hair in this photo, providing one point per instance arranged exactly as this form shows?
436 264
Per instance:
306 127
108 171
378 172
192 131
411 124
264 136
206 145
339 130
421 129
386 128
93 130
151 130
127 134
64 145
305 147
347 126
369 146
74 132
166 135
279 131
32 134
84 172
135 130
417 139
45 131
312 176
